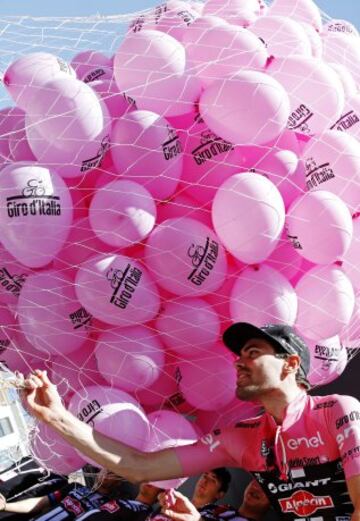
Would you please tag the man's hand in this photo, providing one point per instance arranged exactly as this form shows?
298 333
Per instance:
178 507
42 398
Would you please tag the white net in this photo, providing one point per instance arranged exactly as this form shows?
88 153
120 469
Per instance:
165 174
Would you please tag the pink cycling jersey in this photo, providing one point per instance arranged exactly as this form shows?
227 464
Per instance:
301 464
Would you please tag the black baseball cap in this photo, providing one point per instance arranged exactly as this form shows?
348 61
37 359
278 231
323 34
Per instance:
282 337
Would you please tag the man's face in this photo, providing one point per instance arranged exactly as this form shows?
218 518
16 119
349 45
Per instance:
254 497
258 370
207 488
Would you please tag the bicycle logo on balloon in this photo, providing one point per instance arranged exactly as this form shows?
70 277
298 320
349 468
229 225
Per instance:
196 254
34 188
115 277
207 136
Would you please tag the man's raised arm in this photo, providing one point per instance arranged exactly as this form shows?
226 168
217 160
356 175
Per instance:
43 401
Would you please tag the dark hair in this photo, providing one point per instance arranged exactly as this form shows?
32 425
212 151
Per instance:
224 476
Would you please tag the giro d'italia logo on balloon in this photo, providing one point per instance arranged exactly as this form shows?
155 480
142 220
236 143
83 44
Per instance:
194 166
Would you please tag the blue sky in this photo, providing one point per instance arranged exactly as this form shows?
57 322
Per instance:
348 9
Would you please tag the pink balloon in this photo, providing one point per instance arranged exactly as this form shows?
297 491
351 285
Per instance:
350 334
122 213
215 50
187 324
12 277
282 36
182 206
342 49
350 259
305 267
112 412
347 81
145 20
332 163
349 122
285 259
340 27
282 167
69 127
198 30
263 296
104 176
53 452
155 76
239 12
173 17
50 316
326 302
320 227
208 161
169 429
301 10
18 144
204 372
197 5
185 121
129 358
314 89
263 7
22 357
254 98
91 66
164 392
229 416
80 244
117 290
36 213
9 118
80 197
117 103
76 372
250 156
176 18
185 257
314 39
287 140
26 76
220 300
8 329
328 360
147 150
248 215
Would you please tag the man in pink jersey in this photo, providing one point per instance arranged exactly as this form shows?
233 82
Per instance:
304 450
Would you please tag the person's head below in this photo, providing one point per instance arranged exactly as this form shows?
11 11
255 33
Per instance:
255 502
114 486
270 358
106 481
148 493
211 486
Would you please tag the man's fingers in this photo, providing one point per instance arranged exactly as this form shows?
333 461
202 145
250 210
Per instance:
33 381
174 515
46 379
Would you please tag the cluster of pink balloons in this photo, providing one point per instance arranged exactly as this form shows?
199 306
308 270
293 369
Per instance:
208 172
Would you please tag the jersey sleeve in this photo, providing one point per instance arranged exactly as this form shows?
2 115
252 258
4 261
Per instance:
344 424
211 451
